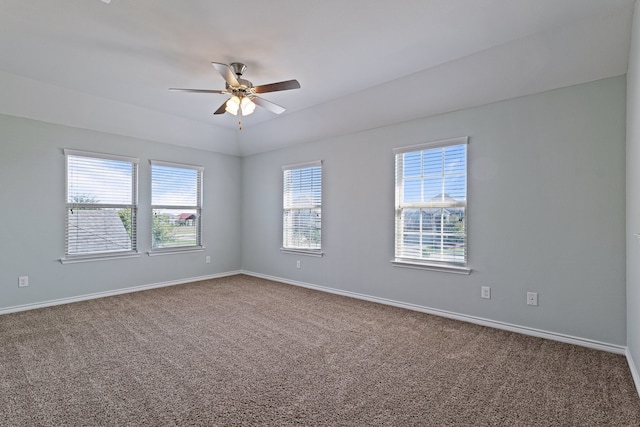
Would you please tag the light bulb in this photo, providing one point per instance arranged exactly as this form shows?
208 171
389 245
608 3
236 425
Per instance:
247 106
232 105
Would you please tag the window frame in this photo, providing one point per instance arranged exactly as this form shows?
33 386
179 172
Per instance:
422 263
171 250
98 256
316 252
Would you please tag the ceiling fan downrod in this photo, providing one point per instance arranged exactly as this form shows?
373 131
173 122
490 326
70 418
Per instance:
238 68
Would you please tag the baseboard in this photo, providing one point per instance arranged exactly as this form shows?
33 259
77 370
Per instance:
85 297
597 345
634 370
612 348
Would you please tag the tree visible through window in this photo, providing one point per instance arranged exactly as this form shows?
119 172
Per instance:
176 204
431 202
101 204
302 206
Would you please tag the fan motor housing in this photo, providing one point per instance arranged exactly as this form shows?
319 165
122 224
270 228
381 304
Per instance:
245 88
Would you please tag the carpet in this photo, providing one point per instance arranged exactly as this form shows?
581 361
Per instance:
247 351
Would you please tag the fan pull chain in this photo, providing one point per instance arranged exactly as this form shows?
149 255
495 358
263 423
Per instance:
240 124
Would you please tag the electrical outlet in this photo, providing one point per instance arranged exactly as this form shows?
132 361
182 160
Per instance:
298 264
532 298
485 292
207 259
23 281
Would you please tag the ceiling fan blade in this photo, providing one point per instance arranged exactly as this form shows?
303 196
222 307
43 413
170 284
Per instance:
274 108
222 108
227 73
275 87
175 89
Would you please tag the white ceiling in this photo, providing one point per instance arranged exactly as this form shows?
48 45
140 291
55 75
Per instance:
361 63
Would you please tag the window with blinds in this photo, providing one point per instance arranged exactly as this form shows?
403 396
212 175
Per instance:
101 205
176 205
302 207
431 202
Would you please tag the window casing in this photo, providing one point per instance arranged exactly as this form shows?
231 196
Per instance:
302 208
176 206
101 206
431 204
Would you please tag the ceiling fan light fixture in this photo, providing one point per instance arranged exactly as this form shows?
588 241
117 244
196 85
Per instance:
232 105
244 95
247 106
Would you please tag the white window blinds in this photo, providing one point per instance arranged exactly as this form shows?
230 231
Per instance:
176 205
431 202
101 204
302 206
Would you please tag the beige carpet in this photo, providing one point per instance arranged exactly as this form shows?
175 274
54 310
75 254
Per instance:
246 351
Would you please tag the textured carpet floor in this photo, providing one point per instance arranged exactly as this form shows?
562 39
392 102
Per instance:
246 351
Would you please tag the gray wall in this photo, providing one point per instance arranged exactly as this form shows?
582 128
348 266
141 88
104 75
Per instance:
32 214
633 197
546 212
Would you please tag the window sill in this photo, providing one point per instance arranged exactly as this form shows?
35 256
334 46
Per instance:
317 253
444 268
174 251
98 257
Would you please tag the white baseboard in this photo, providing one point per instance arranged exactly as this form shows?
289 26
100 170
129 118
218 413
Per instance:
612 348
634 370
85 297
584 342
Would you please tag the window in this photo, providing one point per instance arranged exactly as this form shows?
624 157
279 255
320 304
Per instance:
431 203
302 208
101 205
176 205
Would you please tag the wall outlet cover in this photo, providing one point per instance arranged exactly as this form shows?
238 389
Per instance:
532 298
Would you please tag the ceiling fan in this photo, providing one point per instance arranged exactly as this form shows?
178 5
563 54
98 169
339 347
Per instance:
243 93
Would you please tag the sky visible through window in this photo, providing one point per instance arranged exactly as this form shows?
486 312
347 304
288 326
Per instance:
94 180
302 208
304 186
101 202
174 186
431 216
432 175
175 202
